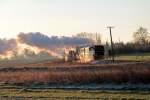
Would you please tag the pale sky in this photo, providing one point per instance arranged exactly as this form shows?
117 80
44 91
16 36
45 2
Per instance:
68 17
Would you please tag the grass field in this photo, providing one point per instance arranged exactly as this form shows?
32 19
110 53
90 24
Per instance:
134 57
16 80
58 94
116 73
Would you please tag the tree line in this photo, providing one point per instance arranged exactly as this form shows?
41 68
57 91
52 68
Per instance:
140 43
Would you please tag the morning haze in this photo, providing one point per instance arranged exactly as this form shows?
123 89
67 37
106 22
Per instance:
68 17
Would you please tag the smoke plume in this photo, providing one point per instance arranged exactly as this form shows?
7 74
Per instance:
43 41
7 45
37 45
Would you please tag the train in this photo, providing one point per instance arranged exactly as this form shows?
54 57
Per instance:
86 53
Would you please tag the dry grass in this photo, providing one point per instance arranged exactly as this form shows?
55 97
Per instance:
139 73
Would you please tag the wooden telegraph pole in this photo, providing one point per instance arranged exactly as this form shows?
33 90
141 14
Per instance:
112 45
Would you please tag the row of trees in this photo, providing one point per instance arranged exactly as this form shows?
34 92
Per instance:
140 43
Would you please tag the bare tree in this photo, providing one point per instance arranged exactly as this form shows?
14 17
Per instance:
141 36
141 39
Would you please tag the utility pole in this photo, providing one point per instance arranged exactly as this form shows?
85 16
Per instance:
112 45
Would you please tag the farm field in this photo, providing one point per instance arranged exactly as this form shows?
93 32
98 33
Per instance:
133 72
127 80
134 57
59 94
